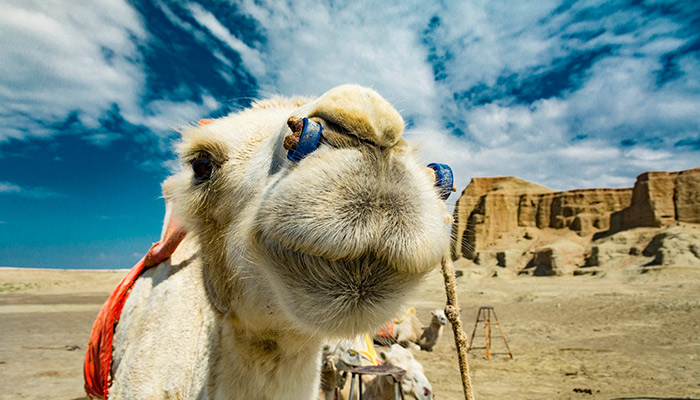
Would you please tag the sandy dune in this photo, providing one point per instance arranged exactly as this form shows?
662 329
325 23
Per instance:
624 335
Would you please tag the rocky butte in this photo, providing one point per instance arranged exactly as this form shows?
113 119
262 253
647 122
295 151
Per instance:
506 225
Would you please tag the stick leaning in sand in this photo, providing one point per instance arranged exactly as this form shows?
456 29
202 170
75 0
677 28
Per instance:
452 314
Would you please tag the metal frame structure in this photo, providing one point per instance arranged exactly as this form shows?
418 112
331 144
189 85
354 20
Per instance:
484 315
378 370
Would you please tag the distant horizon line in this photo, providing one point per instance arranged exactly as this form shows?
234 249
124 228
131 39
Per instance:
67 269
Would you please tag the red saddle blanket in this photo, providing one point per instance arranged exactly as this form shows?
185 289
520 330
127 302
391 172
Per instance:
98 357
387 331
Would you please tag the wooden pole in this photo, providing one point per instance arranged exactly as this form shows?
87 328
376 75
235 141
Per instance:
452 314
503 335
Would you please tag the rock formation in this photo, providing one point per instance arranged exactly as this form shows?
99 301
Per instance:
659 198
509 222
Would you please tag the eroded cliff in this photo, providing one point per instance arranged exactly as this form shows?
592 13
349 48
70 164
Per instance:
512 223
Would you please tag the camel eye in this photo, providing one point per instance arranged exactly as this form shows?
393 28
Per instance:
202 168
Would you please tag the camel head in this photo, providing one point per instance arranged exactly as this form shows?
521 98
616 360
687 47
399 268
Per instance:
438 317
414 384
336 235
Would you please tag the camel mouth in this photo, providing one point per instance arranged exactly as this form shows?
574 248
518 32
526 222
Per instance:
339 297
345 234
344 204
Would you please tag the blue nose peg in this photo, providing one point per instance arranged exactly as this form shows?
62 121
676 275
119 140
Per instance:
444 179
308 141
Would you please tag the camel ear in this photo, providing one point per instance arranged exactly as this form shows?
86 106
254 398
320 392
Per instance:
172 234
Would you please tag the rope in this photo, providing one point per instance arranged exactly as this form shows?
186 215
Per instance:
405 315
452 314
371 352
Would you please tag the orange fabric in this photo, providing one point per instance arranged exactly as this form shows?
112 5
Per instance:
387 331
98 357
205 121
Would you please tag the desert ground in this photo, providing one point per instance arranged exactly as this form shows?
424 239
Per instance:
618 335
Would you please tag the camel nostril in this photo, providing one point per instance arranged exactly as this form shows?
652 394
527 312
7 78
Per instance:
444 179
291 142
296 124
305 137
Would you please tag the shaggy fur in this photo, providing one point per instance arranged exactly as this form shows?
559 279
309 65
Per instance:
279 255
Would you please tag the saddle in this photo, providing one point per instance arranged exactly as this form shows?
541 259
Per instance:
97 367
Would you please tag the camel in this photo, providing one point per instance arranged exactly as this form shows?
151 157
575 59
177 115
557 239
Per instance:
339 358
281 251
433 332
336 361
409 332
414 383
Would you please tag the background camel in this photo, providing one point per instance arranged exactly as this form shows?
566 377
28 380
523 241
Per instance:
409 331
341 356
414 383
279 254
433 332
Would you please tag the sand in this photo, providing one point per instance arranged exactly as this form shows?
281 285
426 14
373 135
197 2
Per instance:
622 335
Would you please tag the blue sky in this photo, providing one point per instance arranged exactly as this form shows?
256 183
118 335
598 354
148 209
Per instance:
566 94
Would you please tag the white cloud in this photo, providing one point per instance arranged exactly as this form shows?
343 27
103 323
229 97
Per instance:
102 139
78 57
478 44
312 47
588 152
167 116
59 59
618 97
9 188
569 139
251 57
643 154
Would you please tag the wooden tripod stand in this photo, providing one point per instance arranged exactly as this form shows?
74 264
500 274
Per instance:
484 316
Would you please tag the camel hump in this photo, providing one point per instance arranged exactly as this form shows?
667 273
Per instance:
360 112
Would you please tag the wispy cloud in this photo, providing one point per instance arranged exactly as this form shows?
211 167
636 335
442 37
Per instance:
82 61
312 46
11 189
557 92
102 139
251 57
61 59
518 84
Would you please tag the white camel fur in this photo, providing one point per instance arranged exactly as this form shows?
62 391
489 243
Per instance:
433 332
279 255
339 357
415 385
409 331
